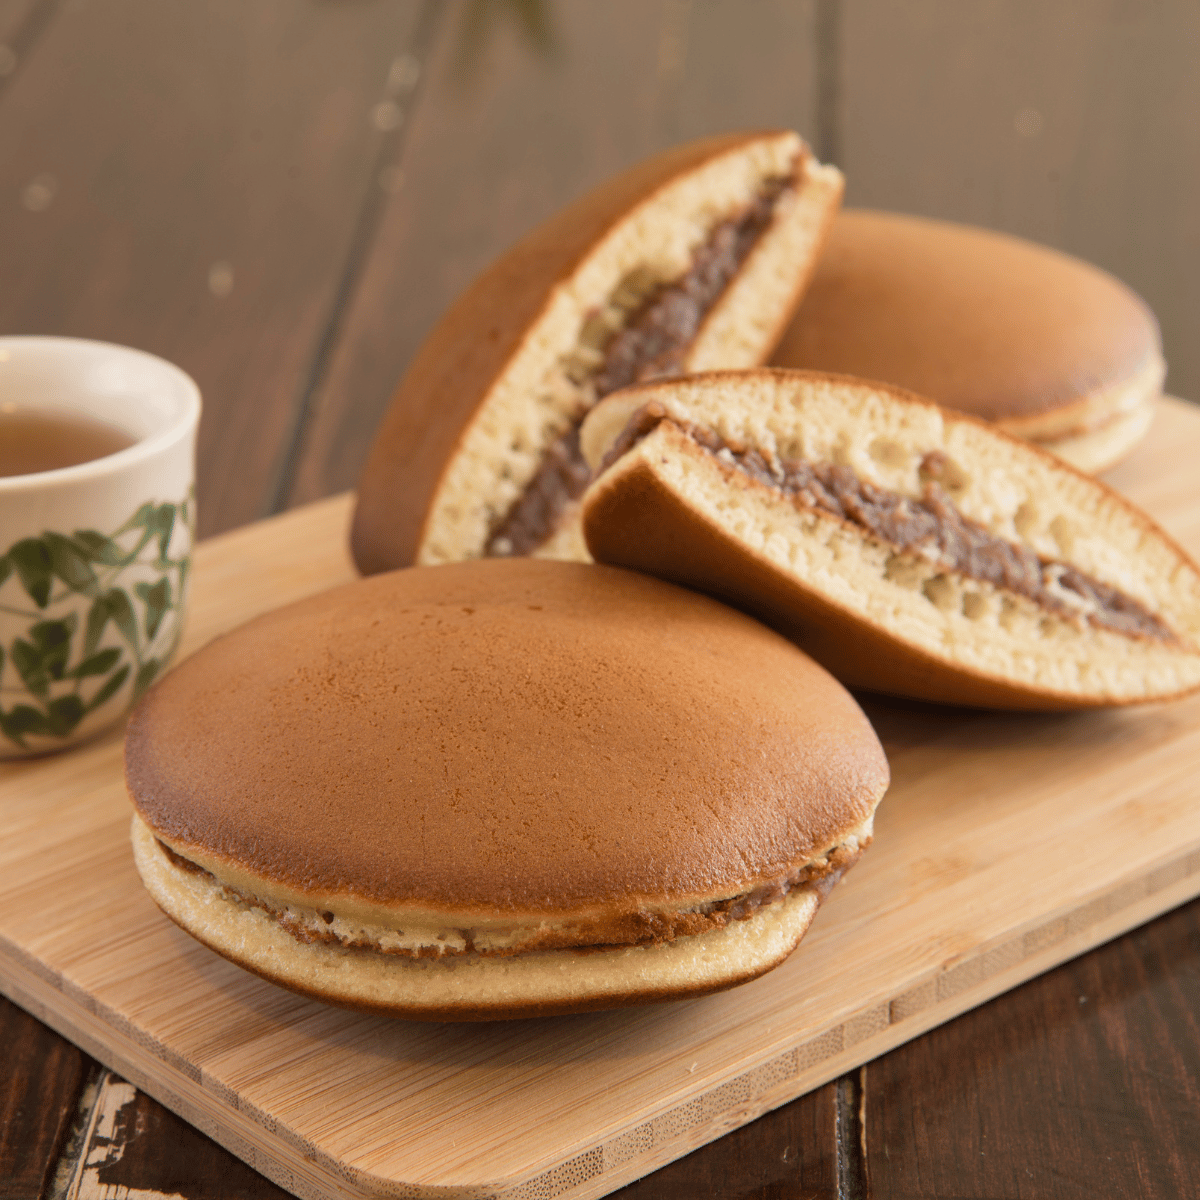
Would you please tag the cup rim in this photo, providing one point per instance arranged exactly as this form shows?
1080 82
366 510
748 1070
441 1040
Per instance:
121 460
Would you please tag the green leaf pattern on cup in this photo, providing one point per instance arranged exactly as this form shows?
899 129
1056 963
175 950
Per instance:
64 667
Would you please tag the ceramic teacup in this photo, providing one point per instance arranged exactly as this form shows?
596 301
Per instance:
94 557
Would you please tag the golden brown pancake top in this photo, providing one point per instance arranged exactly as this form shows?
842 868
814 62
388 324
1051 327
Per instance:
985 323
504 736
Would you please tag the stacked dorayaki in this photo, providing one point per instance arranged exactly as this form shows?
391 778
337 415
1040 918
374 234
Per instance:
493 785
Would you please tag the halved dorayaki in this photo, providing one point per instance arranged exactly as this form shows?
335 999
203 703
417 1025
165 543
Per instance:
500 789
691 260
908 548
1049 348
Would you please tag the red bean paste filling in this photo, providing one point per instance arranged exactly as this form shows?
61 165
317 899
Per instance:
919 526
652 345
634 929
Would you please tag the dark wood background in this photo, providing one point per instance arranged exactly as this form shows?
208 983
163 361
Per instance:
282 196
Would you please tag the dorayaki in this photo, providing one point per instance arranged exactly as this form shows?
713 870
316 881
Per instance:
500 789
1047 347
690 260
908 548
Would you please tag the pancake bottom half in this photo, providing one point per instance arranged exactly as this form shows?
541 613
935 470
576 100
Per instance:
475 987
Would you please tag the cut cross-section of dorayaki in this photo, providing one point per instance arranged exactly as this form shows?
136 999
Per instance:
907 548
691 260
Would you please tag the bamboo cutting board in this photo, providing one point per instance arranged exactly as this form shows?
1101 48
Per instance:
1006 845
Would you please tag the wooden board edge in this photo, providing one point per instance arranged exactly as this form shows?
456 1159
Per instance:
973 980
301 1169
881 1025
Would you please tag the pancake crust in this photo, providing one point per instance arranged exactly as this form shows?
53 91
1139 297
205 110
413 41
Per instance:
476 988
492 756
1048 347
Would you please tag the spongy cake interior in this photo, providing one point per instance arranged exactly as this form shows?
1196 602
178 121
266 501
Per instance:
536 397
1017 492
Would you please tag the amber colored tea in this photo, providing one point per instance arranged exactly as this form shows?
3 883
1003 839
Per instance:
39 439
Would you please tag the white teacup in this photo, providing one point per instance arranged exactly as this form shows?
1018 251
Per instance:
94 558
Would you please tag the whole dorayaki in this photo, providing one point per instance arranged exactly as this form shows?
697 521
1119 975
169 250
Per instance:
500 789
1048 347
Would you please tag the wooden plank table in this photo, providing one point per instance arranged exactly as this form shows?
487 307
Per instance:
283 197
